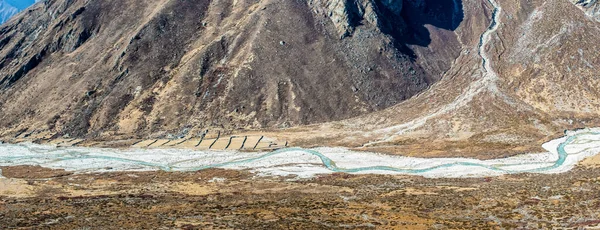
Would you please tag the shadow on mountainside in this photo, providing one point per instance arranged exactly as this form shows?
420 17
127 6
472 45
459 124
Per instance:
441 14
408 28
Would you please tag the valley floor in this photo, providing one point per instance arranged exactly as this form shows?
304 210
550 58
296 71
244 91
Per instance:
560 156
148 188
35 197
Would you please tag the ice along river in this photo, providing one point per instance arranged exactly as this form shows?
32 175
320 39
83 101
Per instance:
562 155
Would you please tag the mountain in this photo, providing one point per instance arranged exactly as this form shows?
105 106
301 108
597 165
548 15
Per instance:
529 76
458 78
91 67
9 8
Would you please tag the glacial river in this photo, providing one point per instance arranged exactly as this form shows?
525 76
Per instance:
562 155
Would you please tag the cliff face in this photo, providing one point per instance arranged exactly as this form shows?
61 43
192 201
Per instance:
346 15
86 68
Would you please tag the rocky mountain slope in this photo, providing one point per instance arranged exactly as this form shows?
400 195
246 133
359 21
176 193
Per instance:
528 77
474 77
86 68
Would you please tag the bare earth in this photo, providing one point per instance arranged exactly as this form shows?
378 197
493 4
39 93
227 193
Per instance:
33 197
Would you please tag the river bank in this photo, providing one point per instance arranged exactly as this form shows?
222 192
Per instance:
562 155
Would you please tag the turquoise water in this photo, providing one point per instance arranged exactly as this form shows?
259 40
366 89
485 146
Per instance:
330 164
49 155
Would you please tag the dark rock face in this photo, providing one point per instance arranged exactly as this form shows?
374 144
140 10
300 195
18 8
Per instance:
403 20
130 67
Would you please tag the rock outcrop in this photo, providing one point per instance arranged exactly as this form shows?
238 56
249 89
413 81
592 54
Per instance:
346 15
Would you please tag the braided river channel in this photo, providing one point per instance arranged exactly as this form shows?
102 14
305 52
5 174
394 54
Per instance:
562 155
